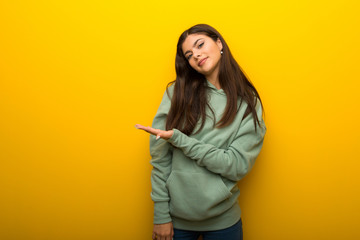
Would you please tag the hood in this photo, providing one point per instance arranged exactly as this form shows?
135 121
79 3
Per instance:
214 89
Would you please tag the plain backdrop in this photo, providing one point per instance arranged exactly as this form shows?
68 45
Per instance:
76 76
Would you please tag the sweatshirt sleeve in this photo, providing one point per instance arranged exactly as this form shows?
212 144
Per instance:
161 155
232 163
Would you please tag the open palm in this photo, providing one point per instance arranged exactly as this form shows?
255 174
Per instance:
157 132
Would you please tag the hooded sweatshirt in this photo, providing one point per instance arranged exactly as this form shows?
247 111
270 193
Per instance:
194 178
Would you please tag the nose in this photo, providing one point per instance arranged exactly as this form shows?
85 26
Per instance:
197 56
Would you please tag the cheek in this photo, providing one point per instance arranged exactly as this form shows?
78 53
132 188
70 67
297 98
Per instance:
192 63
215 52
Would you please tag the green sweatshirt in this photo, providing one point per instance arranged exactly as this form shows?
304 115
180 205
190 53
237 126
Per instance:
194 178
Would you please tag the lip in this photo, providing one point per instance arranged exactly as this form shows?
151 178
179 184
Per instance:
202 61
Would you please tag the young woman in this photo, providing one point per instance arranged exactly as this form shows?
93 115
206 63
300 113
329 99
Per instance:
204 138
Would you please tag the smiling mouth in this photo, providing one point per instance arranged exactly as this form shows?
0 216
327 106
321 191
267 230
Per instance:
202 62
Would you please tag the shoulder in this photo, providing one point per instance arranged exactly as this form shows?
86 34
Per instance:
170 90
250 116
244 105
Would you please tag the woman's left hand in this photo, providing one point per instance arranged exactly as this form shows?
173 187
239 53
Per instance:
157 132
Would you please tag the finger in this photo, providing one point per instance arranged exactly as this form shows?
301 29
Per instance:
139 126
147 129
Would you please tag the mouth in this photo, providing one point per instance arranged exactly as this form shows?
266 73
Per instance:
202 61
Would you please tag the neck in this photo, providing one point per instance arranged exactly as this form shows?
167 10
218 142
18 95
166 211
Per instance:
214 78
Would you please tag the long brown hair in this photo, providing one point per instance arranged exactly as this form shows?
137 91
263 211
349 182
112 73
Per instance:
189 100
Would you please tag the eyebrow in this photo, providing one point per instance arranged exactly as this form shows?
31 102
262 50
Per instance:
193 46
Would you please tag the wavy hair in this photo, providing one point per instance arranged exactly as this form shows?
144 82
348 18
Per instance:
189 100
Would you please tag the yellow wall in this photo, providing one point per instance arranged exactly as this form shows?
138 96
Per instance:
76 76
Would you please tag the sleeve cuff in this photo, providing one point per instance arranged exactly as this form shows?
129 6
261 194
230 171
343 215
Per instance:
174 137
161 213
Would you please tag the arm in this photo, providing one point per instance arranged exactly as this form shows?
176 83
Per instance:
161 153
233 163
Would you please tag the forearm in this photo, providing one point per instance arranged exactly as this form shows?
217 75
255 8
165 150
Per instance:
233 163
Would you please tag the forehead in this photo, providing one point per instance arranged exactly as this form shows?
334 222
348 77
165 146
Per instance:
191 39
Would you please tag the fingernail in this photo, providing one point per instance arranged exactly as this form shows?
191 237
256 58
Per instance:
157 137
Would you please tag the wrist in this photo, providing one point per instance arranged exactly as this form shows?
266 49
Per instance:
171 133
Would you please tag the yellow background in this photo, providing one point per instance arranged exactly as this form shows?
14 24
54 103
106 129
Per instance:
76 76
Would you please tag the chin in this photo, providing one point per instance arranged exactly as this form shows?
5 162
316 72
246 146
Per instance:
206 72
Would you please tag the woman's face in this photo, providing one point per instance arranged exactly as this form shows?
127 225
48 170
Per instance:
202 53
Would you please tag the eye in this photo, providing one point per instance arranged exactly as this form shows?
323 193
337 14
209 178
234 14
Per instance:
199 46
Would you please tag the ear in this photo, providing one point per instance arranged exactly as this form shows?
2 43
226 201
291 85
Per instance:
218 42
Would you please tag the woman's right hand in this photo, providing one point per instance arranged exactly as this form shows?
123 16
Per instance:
163 231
